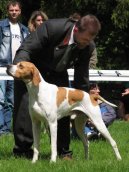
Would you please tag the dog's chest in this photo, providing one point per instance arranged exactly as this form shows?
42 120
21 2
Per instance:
37 110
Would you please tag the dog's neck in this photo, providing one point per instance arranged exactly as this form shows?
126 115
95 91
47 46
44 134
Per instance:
36 90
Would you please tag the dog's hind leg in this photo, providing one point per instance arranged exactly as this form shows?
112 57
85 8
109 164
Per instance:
80 122
36 127
103 130
94 113
98 122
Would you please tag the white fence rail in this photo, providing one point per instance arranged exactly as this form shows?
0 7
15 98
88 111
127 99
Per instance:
105 75
3 74
95 75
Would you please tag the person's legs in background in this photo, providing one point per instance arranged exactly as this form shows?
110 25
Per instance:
2 98
90 131
9 104
1 120
6 105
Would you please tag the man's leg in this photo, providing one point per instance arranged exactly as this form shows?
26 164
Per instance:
63 137
22 126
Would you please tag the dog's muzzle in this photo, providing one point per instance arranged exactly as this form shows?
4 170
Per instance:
9 70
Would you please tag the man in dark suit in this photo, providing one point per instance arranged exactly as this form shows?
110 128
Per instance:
58 44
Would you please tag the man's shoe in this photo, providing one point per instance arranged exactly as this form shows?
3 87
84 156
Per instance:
66 155
92 136
100 136
29 153
23 153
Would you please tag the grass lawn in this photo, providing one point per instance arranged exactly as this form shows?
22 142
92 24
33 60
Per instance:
102 158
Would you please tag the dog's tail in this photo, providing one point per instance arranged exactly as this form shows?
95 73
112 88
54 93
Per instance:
103 100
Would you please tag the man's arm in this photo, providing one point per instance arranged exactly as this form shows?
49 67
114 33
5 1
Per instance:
81 75
32 45
81 69
93 60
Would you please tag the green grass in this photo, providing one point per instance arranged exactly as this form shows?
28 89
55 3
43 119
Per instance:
102 158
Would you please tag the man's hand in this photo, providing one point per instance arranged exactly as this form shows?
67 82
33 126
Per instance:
126 92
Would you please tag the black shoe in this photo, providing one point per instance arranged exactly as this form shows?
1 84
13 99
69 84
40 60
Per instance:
92 136
23 153
100 136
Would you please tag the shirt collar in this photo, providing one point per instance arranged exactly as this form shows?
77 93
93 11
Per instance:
71 40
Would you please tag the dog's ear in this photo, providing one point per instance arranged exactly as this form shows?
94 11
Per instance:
36 77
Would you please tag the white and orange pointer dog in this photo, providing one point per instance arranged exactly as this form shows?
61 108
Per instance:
50 103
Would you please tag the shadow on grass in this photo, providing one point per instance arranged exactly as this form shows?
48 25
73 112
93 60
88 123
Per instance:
44 156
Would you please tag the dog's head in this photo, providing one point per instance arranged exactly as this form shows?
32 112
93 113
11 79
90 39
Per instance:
25 71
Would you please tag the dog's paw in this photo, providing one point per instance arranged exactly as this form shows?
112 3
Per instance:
53 160
119 158
34 160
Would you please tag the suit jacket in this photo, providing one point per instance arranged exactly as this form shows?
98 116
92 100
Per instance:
46 46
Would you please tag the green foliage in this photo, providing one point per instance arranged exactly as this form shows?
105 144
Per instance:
3 12
120 15
112 41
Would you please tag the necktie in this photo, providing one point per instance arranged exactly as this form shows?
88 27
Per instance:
62 64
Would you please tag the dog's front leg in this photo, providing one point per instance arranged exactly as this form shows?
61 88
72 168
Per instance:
53 133
36 127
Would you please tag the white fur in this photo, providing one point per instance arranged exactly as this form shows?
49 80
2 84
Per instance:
42 106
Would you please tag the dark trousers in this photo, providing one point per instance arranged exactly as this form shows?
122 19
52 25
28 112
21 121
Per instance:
22 126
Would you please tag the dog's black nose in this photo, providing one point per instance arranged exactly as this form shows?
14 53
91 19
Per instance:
8 68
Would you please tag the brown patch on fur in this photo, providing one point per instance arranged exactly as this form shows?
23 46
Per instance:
24 70
75 96
36 77
61 95
27 70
